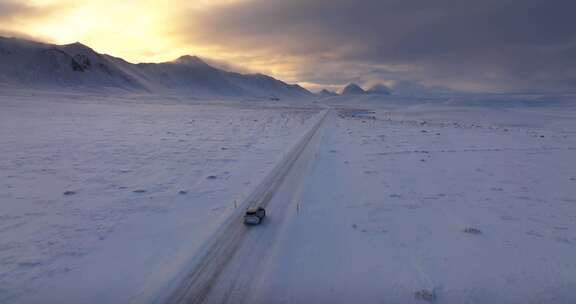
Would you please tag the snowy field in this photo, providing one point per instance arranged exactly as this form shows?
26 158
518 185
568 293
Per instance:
106 201
433 203
101 196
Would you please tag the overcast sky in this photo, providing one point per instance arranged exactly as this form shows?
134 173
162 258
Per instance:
472 45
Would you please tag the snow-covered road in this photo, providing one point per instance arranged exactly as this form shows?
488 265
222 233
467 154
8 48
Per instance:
232 257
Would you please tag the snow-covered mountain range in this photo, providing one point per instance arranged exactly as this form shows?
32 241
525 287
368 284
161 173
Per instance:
29 64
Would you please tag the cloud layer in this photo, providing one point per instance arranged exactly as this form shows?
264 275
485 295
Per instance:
463 44
488 45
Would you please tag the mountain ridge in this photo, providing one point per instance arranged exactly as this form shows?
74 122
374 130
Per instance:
38 65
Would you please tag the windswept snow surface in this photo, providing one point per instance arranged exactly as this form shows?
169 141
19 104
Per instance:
430 203
91 204
392 201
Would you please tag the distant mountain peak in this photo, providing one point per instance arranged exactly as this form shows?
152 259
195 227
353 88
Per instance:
76 44
77 47
191 60
353 89
379 89
327 93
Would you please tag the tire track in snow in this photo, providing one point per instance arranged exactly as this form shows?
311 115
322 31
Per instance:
195 285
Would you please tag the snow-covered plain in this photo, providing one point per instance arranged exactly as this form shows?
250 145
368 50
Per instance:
391 202
433 203
91 202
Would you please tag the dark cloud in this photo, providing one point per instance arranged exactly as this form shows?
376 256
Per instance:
465 44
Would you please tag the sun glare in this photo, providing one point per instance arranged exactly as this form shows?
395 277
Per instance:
139 31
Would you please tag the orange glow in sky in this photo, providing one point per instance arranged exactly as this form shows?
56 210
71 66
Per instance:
136 30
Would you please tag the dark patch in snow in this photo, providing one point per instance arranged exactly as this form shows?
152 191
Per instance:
509 218
563 240
425 295
30 264
471 230
534 233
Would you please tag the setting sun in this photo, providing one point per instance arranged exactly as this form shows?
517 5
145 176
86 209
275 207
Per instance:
138 31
